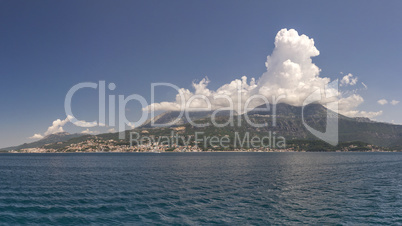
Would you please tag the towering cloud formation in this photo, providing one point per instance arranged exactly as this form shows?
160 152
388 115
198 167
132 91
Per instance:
290 70
290 74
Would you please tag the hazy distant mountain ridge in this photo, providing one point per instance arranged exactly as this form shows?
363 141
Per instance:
49 139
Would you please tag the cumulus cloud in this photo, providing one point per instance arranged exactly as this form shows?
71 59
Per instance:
112 130
349 79
57 127
36 136
382 101
348 107
290 74
394 102
349 104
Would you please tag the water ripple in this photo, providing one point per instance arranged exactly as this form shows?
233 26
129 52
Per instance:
201 188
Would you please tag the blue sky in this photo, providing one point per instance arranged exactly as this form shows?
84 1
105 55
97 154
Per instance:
46 47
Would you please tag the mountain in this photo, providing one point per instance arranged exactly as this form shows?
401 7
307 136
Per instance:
49 139
169 118
289 124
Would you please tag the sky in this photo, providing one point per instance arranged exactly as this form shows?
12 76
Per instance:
47 47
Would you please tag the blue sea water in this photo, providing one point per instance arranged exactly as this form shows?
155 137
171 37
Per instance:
201 188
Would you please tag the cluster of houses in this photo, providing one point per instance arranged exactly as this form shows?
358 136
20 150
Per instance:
100 145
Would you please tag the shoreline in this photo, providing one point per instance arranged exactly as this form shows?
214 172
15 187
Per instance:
169 152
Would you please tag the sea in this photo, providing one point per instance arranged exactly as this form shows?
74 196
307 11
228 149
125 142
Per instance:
201 188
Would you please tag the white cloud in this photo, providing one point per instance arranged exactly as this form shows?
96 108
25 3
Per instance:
365 86
56 127
349 104
367 114
290 72
36 136
82 123
382 101
112 130
349 79
87 131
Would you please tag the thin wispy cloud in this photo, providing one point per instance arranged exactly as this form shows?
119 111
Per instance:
394 102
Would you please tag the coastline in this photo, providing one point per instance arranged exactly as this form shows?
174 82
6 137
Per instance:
171 152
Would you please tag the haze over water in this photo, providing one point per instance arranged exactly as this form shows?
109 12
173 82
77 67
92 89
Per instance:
201 188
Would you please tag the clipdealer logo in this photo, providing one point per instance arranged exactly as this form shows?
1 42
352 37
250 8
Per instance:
327 96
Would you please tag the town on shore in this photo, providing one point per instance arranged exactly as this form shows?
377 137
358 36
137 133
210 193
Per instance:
101 145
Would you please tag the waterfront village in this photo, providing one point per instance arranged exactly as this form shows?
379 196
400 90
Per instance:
101 145
113 146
